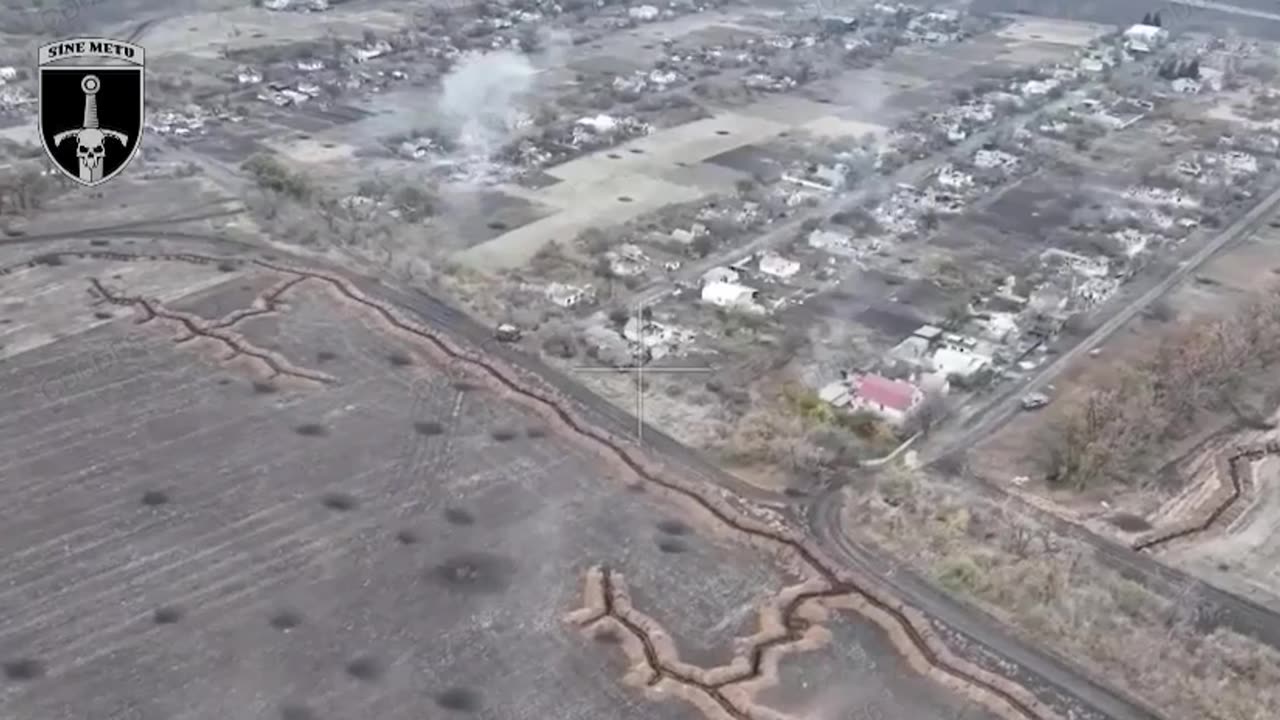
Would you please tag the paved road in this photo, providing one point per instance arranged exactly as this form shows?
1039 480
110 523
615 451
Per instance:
1229 8
978 628
1229 610
825 523
981 632
1009 401
1216 607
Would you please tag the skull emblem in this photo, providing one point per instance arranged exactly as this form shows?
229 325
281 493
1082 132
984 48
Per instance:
89 138
89 148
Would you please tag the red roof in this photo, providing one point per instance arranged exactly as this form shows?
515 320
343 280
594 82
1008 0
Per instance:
894 394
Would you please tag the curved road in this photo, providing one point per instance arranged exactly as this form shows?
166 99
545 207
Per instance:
1038 671
1009 404
827 526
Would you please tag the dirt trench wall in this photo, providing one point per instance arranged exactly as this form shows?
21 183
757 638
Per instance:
1224 504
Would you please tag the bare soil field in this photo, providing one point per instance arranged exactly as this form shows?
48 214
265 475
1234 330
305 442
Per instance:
258 502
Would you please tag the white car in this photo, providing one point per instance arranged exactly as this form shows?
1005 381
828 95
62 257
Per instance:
1034 401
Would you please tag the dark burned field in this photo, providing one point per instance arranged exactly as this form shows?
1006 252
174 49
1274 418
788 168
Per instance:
359 533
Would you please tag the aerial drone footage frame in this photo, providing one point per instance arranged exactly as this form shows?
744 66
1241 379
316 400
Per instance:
337 402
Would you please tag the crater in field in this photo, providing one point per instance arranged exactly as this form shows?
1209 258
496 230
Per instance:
672 546
23 669
1129 523
341 502
167 615
407 537
673 527
263 388
286 619
428 427
365 668
155 498
459 699
477 572
399 359
503 434
458 516
297 712
311 430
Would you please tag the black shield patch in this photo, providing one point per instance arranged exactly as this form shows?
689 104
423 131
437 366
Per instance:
91 106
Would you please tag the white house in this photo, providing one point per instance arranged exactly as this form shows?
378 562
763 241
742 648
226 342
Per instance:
643 13
687 236
599 124
1145 38
729 294
369 52
892 400
959 362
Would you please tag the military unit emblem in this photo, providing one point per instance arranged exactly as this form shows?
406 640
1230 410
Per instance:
91 100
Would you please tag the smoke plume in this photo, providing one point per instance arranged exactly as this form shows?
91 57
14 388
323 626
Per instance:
483 99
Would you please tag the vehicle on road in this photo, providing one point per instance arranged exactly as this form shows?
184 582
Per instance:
1034 401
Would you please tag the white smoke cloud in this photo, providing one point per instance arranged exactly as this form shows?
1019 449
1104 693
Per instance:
483 99
487 99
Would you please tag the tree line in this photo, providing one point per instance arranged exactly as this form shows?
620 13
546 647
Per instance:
1119 430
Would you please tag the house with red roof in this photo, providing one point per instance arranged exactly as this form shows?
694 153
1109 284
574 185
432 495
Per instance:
892 400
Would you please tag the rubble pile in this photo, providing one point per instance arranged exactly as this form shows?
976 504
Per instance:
13 97
172 122
293 5
565 141
312 79
1088 281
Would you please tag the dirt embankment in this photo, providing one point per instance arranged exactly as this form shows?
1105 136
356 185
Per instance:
1226 498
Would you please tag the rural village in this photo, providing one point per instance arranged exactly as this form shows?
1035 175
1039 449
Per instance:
982 300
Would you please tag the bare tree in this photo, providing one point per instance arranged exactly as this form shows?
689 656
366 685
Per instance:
932 410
